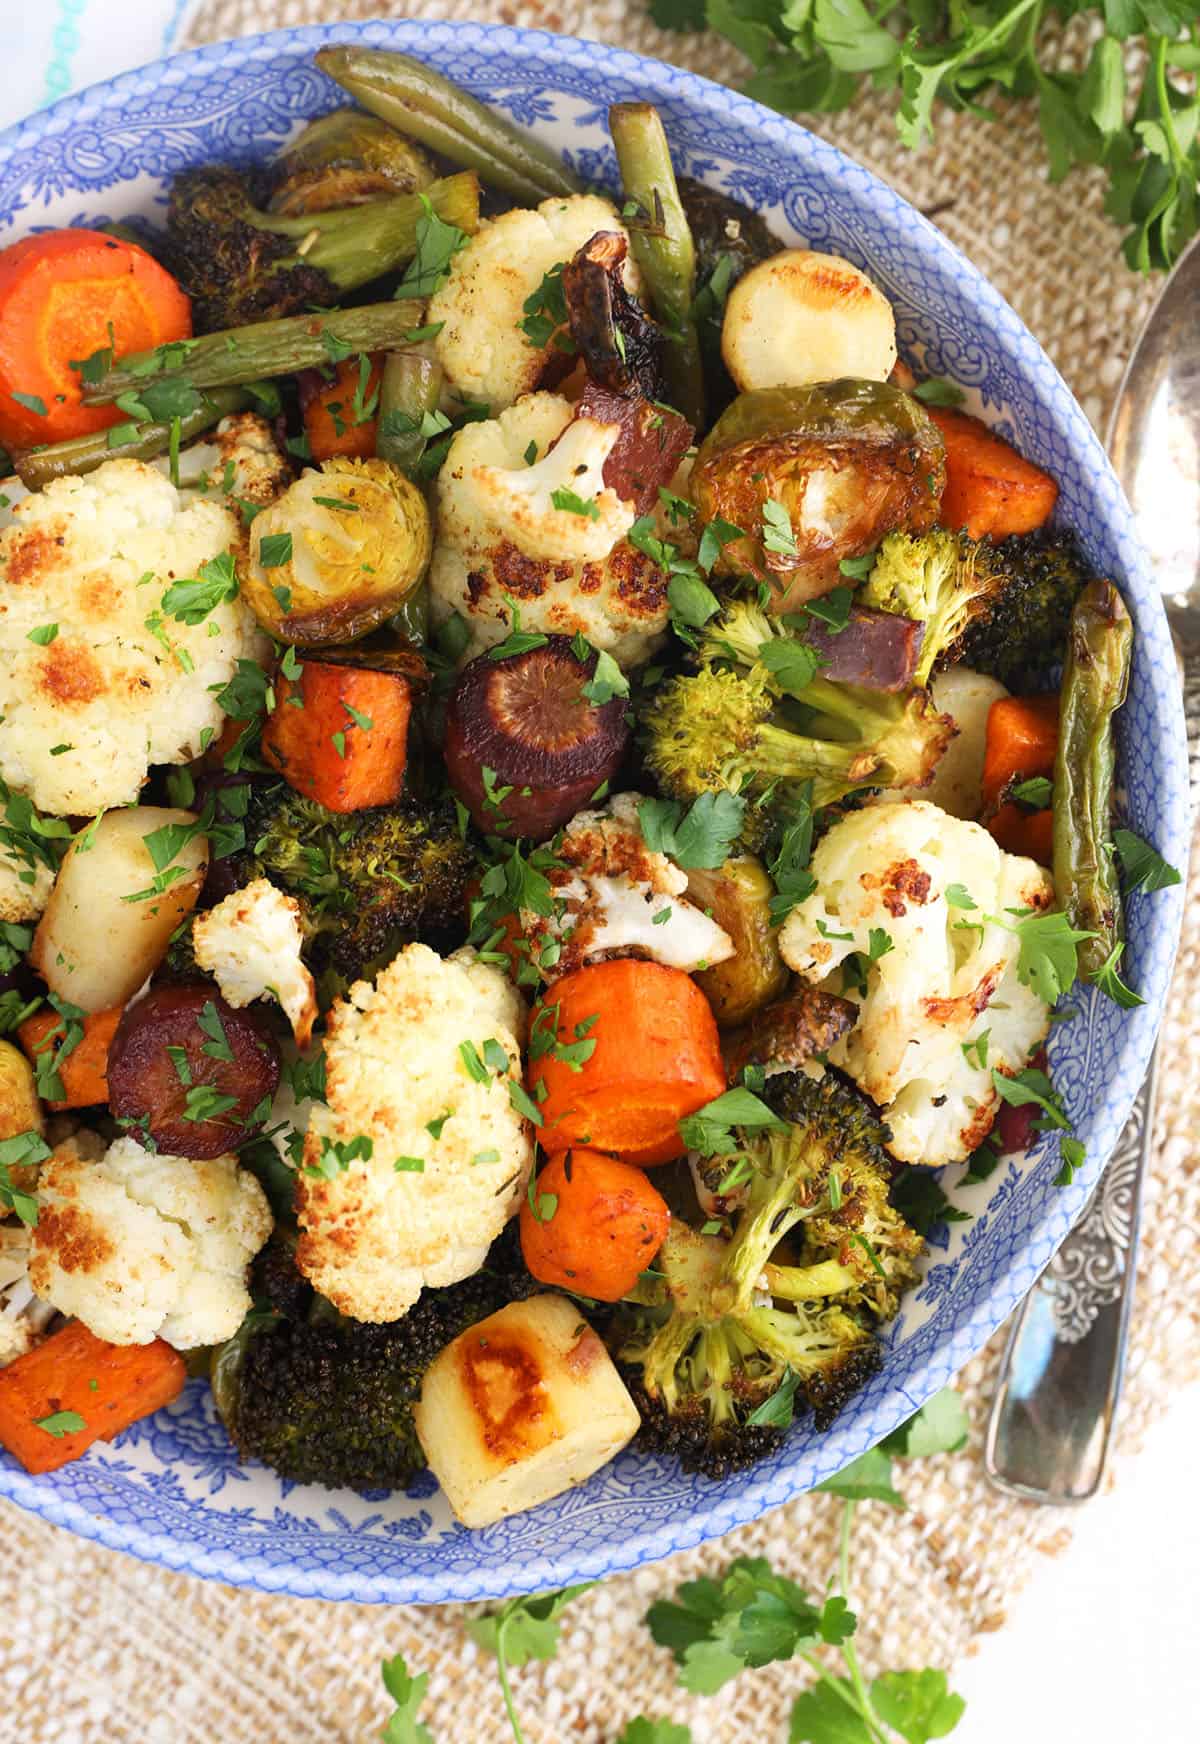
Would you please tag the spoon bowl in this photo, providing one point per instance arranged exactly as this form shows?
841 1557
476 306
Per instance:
1154 444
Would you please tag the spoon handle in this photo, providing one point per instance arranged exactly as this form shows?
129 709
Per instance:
1052 1416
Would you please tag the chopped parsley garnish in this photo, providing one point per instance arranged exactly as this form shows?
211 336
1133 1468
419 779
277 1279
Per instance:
573 504
274 550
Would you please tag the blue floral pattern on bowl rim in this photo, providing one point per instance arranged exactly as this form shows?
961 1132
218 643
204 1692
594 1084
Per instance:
171 1490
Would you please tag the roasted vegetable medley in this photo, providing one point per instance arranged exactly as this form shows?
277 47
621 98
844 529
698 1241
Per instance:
548 781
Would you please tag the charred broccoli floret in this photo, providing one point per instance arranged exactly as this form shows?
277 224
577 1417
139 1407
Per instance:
241 264
718 730
855 1244
1024 639
1000 608
322 1399
367 881
738 1324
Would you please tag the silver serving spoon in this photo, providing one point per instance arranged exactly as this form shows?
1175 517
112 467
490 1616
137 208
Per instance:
1051 1424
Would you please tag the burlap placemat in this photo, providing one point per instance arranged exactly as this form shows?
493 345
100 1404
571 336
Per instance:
94 1647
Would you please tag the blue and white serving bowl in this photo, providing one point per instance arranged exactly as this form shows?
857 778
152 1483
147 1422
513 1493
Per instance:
171 1490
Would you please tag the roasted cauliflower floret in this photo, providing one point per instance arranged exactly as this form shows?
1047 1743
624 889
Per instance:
250 943
25 885
944 1006
139 1245
241 459
615 896
501 532
112 680
418 1158
483 348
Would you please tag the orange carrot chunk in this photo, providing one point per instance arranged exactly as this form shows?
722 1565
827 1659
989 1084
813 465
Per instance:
64 296
591 1224
1024 832
1022 738
657 1058
74 1389
339 409
84 1071
990 488
339 734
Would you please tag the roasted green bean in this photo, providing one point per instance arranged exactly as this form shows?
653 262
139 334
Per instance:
408 392
265 348
427 107
1095 680
37 466
662 245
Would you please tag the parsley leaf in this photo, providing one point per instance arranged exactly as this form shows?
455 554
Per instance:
408 1693
436 245
191 601
607 682
518 641
1143 866
573 504
833 608
274 550
1109 981
935 390
525 1628
718 1625
60 1423
777 533
710 1129
640 1730
700 837
920 1705
792 664
1036 791
1047 956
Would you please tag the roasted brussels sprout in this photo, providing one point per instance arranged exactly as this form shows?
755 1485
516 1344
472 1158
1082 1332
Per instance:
337 553
343 159
813 475
738 897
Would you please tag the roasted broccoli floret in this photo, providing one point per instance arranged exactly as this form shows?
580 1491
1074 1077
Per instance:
1023 641
741 1319
855 1244
322 1399
241 264
367 881
719 730
999 608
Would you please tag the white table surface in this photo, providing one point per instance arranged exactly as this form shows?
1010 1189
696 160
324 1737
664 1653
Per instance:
1104 1646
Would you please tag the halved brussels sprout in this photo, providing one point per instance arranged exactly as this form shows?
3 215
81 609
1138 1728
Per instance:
813 475
337 553
343 159
738 897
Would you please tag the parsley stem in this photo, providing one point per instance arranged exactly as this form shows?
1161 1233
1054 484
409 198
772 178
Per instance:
510 1707
1158 61
870 1718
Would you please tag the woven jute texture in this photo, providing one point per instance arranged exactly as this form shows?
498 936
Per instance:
94 1647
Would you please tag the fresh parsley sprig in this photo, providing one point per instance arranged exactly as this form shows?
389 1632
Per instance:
1144 134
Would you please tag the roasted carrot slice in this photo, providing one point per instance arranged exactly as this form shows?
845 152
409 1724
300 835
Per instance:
74 1389
657 1058
339 734
339 409
990 488
592 1224
64 296
84 1071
